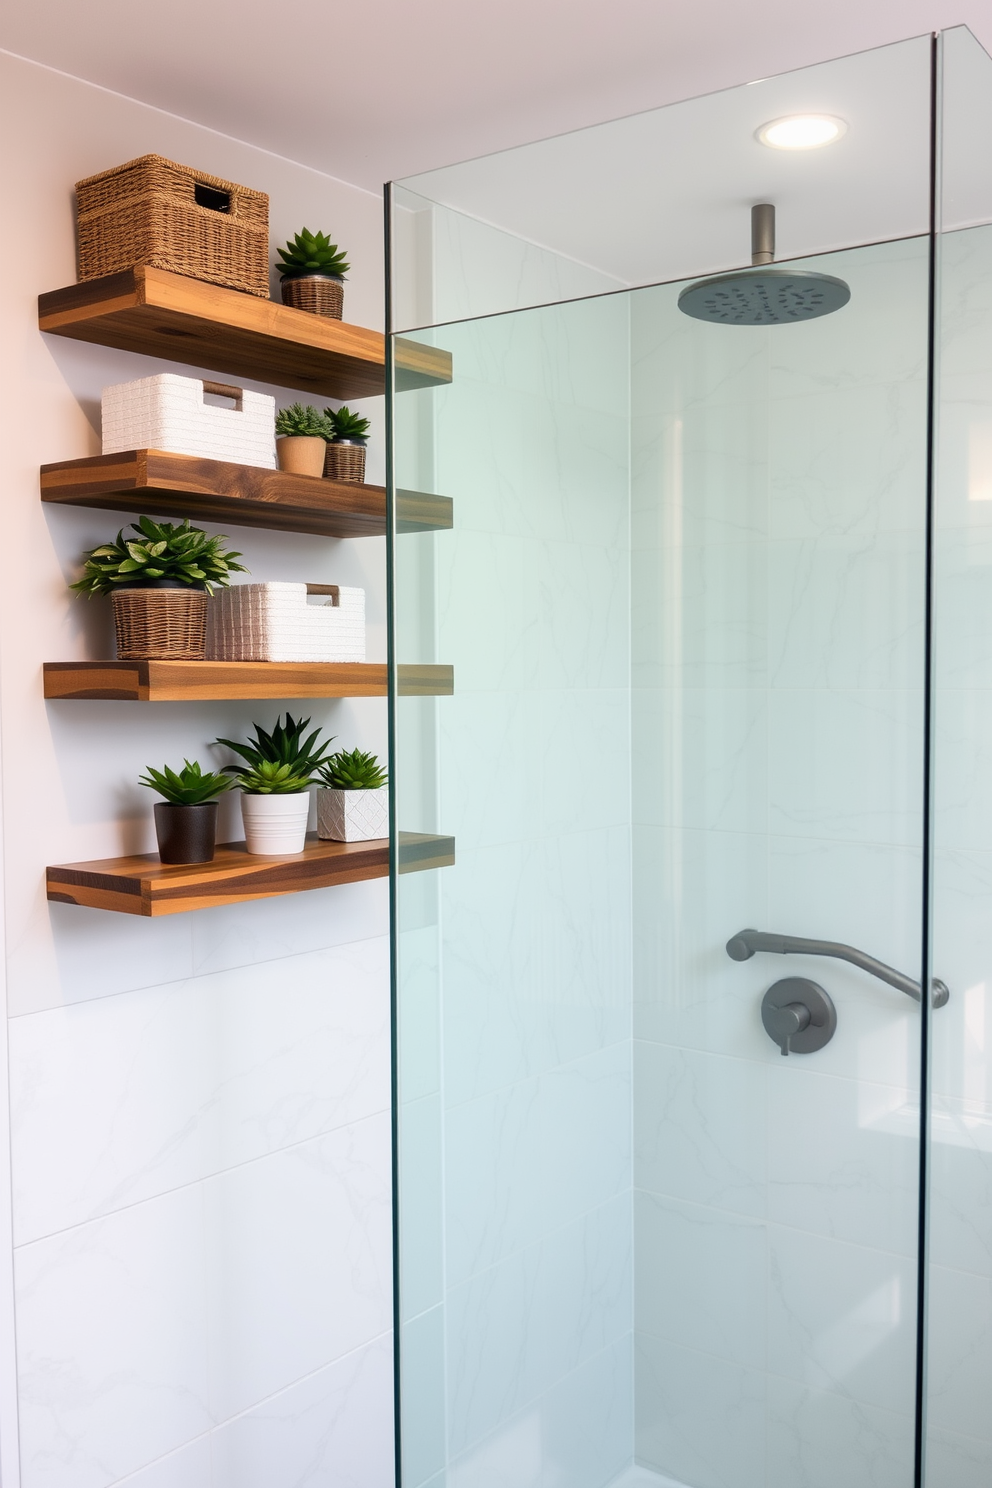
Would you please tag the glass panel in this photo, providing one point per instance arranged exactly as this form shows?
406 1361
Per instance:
959 1436
684 597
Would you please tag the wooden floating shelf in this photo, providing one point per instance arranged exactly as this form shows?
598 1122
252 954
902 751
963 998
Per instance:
141 885
212 681
157 483
203 325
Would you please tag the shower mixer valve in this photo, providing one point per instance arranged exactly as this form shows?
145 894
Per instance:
798 1015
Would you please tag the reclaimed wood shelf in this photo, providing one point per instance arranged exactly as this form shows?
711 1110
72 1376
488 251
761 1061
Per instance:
212 681
141 885
203 325
158 483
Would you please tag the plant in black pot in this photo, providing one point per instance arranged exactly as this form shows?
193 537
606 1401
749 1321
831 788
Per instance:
349 432
302 432
158 582
186 821
313 270
275 784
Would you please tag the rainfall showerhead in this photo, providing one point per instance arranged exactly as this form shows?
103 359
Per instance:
763 296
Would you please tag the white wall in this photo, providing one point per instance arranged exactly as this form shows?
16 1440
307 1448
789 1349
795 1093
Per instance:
199 1105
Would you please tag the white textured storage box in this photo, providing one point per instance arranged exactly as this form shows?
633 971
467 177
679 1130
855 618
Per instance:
275 622
169 412
352 815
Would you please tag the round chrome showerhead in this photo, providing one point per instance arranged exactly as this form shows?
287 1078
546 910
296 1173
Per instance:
763 296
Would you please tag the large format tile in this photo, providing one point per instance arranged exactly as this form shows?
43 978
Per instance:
959 1361
699 1420
119 1099
817 1439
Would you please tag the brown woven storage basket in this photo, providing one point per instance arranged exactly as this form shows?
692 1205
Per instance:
318 293
161 215
345 462
160 623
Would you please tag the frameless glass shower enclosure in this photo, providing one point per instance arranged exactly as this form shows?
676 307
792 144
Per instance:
693 1107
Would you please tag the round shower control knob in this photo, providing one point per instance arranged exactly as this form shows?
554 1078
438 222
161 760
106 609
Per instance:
798 1015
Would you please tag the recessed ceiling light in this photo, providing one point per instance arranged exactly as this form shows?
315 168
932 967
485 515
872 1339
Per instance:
801 132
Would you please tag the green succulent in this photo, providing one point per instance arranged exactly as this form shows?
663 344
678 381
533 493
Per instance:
303 418
269 779
186 787
354 771
162 550
312 253
284 750
347 425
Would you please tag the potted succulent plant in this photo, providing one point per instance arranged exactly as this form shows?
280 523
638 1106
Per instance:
158 582
353 799
275 784
186 821
302 432
345 458
313 269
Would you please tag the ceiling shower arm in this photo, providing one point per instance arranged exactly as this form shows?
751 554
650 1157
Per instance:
742 947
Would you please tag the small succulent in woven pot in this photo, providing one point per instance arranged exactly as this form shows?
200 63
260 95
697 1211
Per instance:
158 582
345 457
312 270
186 820
353 802
275 779
302 432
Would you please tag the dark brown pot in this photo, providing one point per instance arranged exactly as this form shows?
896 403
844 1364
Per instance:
317 293
186 834
344 461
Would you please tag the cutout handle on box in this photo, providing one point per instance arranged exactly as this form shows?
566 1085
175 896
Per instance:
227 390
332 589
209 196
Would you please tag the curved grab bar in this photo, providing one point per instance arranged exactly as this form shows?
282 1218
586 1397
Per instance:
742 946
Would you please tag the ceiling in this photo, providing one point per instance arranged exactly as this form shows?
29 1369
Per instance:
386 88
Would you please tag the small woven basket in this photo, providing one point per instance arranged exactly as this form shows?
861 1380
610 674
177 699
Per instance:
345 462
317 293
161 215
160 624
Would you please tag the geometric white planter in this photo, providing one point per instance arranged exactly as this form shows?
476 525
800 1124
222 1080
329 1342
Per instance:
275 824
352 815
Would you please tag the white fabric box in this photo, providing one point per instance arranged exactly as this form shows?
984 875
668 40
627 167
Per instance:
169 412
274 622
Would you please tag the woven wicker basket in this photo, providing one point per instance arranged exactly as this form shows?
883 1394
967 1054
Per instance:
317 293
345 462
161 215
160 623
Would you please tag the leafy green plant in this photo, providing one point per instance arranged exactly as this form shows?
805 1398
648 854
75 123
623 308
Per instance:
186 787
354 771
162 550
347 425
303 418
278 762
270 779
312 253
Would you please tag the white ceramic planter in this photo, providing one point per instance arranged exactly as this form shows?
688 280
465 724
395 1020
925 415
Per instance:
352 815
275 825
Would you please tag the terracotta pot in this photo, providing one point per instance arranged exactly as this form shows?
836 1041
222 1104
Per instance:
186 834
345 460
319 294
301 454
275 825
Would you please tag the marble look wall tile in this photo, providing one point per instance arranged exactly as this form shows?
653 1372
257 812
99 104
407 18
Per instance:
332 1427
420 1136
700 1280
817 1439
961 1185
189 1467
963 561
533 1156
419 1012
528 1322
139 1331
959 1353
701 758
699 1127
119 1099
699 1419
958 1461
422 1398
842 1318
